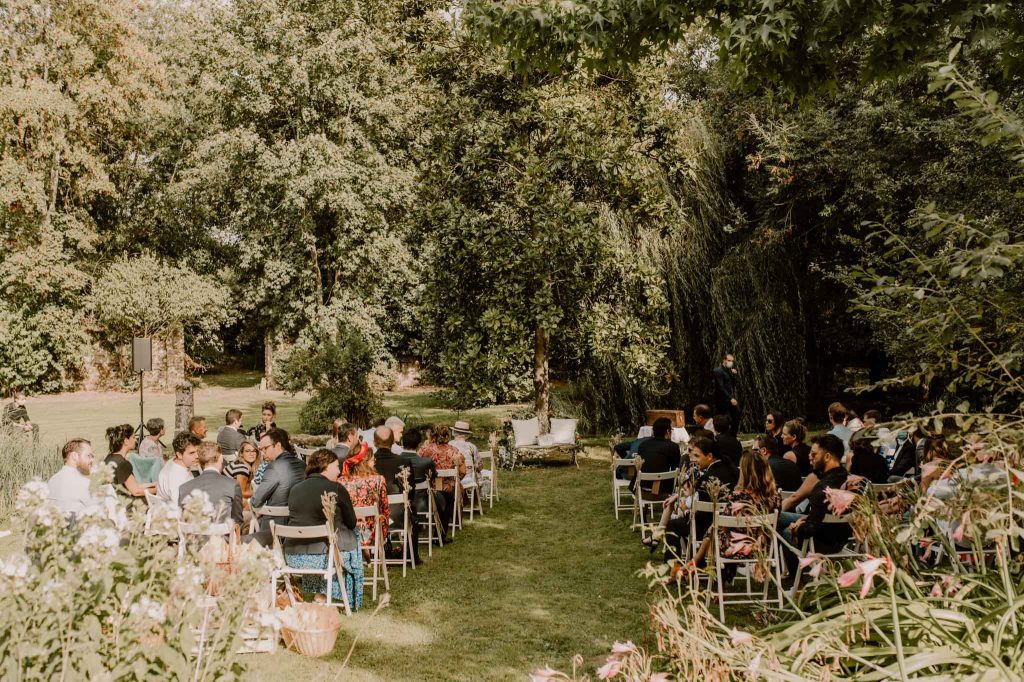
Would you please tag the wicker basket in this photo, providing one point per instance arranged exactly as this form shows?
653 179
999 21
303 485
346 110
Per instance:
318 640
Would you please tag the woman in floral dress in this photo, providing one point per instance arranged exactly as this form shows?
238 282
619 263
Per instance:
445 456
367 488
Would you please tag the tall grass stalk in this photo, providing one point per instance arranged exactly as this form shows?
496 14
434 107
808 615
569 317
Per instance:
21 461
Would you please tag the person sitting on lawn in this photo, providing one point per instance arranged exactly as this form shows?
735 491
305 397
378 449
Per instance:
122 441
178 470
305 508
756 494
15 417
69 487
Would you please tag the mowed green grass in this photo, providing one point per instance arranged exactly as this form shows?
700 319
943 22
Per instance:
546 574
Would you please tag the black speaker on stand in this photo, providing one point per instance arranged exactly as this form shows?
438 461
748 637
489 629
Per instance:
142 361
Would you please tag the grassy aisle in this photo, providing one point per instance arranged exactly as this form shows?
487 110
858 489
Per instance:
547 574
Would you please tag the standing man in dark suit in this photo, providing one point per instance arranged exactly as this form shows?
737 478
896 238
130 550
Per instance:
222 491
725 391
284 471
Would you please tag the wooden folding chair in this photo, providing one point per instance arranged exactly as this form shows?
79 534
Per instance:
266 510
304 453
403 533
471 487
807 548
431 516
490 475
203 532
644 499
457 498
334 568
754 526
375 548
620 486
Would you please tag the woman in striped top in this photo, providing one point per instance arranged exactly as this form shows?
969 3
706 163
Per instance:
244 469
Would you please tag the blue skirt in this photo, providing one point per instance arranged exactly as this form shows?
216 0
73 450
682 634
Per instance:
315 584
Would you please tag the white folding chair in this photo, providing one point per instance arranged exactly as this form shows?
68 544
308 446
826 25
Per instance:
456 499
266 510
471 486
375 548
754 526
489 476
203 532
402 533
808 548
645 499
432 518
620 486
152 500
334 567
303 453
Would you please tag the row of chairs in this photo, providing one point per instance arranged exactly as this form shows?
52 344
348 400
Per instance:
400 534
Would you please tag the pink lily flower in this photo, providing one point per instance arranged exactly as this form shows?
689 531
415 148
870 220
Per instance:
609 669
958 534
742 545
659 677
839 500
936 591
739 638
815 561
620 648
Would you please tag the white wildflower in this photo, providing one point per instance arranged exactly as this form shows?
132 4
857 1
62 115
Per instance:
32 494
48 515
15 570
149 609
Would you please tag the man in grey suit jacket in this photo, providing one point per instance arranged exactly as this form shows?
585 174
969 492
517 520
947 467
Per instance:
230 436
223 492
284 471
348 436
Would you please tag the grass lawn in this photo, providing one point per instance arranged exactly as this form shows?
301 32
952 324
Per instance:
546 574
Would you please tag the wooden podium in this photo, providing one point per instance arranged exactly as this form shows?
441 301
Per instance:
677 417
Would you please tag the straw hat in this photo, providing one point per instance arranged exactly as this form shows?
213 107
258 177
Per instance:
461 427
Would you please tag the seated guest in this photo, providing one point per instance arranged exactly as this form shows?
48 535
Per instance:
224 493
347 440
837 415
756 493
853 422
461 432
367 488
937 453
908 458
872 418
702 417
390 465
197 427
445 456
178 470
708 470
230 436
773 425
786 473
659 454
69 487
826 455
867 461
151 447
729 446
122 441
335 434
305 508
283 471
423 468
397 427
267 414
793 446
244 468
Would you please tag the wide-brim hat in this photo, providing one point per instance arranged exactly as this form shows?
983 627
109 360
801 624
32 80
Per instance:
461 427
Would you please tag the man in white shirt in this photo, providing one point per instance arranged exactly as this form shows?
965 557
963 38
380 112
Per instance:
69 487
397 427
178 470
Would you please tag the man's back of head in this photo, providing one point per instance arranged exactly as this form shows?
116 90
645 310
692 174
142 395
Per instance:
662 427
383 437
209 456
723 424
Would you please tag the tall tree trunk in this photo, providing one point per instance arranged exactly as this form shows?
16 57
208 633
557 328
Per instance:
268 359
541 384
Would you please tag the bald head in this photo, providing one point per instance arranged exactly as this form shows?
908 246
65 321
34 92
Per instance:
383 437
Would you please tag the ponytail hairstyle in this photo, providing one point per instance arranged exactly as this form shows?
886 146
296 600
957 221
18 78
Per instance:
118 435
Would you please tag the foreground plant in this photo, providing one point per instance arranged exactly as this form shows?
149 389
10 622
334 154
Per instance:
103 600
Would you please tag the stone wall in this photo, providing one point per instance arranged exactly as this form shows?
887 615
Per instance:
106 369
